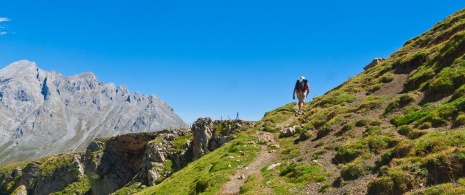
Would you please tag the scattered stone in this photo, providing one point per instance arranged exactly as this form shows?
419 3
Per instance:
272 166
374 63
170 137
242 176
287 132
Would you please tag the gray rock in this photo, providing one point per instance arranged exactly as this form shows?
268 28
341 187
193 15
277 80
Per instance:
373 63
21 190
202 131
287 132
46 113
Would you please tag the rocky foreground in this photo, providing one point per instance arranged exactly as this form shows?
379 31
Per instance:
111 163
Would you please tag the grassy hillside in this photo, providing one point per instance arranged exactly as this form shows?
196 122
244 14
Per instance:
395 128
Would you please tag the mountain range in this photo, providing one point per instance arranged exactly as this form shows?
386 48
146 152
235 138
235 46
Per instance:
44 113
398 127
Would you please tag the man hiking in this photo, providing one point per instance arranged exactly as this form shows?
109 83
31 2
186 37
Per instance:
302 88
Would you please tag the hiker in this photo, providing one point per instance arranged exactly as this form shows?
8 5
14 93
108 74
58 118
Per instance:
302 88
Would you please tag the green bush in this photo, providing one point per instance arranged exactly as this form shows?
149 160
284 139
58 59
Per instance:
362 123
354 170
405 130
460 120
300 173
386 78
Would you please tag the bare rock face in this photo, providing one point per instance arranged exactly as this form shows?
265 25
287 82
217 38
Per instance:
45 113
373 63
202 130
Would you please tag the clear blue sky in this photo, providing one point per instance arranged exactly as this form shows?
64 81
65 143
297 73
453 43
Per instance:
213 58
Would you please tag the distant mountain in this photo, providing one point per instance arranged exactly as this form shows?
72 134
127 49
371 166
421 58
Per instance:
43 113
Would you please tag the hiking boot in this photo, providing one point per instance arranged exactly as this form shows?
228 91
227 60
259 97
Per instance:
300 111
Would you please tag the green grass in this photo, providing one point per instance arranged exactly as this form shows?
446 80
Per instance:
355 169
436 157
79 187
371 143
299 173
52 163
180 143
399 102
456 188
207 174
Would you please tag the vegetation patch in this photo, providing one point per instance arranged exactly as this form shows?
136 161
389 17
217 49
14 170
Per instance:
399 102
355 169
370 103
208 174
280 114
434 158
300 173
369 144
447 188
82 186
180 143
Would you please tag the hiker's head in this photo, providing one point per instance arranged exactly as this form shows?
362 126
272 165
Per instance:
301 78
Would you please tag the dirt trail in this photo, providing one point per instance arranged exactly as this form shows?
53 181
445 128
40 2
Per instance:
263 158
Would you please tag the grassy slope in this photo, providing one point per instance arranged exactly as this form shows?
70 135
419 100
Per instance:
207 174
395 128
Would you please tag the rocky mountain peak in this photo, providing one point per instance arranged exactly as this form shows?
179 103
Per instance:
38 108
15 69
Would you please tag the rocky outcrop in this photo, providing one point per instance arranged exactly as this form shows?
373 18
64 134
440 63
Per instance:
109 164
45 113
374 63
202 130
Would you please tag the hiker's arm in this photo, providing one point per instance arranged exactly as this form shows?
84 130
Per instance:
308 89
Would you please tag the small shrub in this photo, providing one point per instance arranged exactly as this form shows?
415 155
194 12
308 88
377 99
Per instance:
394 182
386 78
362 123
399 102
372 131
345 128
94 177
416 134
354 170
370 103
324 131
425 125
405 130
347 154
460 120
375 123
299 173
201 185
325 188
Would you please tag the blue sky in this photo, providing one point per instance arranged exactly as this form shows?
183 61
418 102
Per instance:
213 58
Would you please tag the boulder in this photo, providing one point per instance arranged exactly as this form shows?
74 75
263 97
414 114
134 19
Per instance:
202 131
373 63
287 132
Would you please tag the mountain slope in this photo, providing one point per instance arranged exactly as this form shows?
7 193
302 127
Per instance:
45 113
397 127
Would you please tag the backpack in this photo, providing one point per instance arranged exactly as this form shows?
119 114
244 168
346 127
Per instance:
301 86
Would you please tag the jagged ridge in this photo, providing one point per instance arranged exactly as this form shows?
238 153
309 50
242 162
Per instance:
45 113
